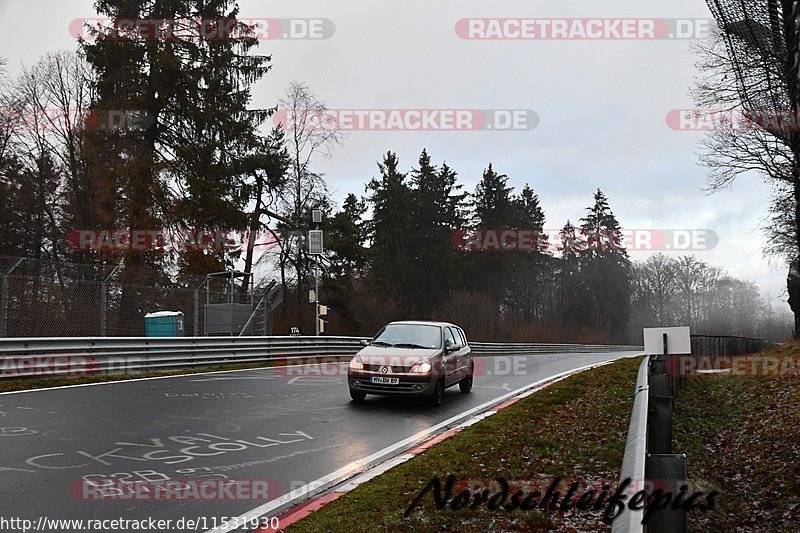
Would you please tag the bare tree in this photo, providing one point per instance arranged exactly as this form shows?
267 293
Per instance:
753 67
311 132
658 274
686 291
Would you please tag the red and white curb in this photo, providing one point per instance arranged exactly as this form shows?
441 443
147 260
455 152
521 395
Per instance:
334 492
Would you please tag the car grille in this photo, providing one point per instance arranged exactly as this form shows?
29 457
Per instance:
402 387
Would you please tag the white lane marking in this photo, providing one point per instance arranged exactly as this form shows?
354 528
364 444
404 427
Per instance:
300 380
17 432
505 387
232 378
334 478
374 472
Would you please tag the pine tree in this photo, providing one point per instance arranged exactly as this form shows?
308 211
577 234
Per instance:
568 277
436 210
393 245
531 280
194 91
493 210
345 238
605 269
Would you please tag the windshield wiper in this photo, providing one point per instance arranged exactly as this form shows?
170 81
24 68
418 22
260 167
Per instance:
409 345
381 343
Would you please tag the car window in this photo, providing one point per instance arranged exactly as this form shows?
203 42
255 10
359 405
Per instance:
410 336
463 336
448 336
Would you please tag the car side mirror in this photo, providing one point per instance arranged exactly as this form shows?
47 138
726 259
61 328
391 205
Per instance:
453 347
364 342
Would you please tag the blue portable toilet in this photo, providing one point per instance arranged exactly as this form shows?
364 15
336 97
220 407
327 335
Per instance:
164 324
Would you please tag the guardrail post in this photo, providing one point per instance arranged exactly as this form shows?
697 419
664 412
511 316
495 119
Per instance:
668 473
660 406
5 298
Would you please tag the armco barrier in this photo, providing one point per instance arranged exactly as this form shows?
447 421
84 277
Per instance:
69 356
633 462
648 449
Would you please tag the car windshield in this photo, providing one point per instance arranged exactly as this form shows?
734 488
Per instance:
409 336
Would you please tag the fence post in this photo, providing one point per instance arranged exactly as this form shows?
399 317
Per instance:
5 298
197 289
104 302
196 313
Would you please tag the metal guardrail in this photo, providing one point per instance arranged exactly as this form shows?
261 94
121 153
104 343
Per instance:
495 348
52 357
71 356
648 448
634 460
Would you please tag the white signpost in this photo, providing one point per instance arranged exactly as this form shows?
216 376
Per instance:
678 341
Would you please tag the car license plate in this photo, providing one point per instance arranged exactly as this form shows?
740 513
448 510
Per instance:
380 380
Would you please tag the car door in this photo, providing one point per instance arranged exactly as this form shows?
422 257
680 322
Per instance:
464 354
450 357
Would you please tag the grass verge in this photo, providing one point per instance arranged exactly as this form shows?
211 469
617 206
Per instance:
575 429
742 437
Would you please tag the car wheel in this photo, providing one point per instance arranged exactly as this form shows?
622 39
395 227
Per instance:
465 385
357 395
438 393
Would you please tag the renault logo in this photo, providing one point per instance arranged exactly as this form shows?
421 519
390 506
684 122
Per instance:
384 369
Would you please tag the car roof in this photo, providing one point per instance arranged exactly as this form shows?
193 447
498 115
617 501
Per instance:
423 323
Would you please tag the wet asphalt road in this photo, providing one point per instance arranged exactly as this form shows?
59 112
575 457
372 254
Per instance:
271 430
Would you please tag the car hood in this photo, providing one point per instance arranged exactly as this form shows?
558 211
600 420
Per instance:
395 357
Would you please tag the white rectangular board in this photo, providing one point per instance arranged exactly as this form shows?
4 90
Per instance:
678 341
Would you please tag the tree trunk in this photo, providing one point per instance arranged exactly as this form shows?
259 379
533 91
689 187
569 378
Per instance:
251 236
793 279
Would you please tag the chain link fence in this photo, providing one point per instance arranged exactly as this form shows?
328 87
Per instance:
43 298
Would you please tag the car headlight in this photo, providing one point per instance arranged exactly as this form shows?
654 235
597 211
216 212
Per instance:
356 364
421 368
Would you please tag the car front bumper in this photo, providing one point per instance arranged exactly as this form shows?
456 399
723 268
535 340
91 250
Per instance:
408 385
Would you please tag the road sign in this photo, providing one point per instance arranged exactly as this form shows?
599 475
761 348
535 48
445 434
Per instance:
315 245
678 341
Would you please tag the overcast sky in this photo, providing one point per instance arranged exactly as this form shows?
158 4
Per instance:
602 106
